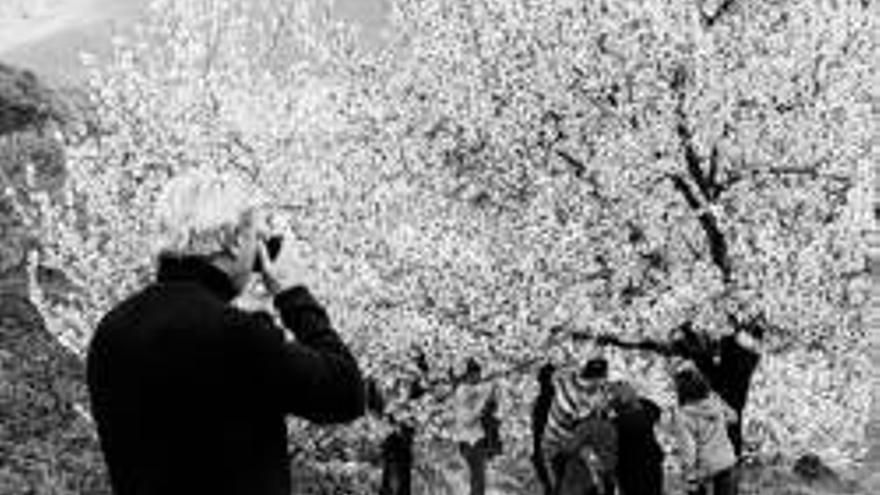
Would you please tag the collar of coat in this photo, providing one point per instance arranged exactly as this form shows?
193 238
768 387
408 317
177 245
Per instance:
198 270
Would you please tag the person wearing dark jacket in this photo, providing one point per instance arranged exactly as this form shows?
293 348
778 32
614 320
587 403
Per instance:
640 456
728 363
190 393
578 420
540 414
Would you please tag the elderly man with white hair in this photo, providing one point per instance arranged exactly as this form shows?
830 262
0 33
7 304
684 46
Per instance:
189 392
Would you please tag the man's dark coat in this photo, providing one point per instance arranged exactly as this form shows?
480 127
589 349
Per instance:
190 394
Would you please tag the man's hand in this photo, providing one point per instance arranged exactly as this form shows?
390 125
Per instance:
286 270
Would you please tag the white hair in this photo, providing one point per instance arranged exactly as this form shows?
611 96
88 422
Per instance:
199 213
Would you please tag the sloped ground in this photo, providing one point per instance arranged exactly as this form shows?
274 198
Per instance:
46 446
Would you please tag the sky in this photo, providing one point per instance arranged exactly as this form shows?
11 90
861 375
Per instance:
47 36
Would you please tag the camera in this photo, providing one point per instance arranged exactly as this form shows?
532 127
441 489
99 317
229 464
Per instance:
273 246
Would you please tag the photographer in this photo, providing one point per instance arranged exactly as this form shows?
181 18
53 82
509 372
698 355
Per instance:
190 393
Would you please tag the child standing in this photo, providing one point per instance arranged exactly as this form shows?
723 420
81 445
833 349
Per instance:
701 429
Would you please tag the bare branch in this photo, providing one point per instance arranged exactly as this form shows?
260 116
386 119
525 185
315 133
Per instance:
714 236
682 186
577 166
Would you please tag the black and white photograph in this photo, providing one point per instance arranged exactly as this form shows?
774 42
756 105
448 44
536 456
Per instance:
439 247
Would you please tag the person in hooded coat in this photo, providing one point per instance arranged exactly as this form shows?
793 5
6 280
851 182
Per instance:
700 427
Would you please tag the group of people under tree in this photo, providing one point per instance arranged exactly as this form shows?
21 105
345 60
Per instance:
592 435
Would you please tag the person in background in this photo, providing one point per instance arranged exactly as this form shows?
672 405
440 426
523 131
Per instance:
477 425
640 456
738 355
579 395
189 392
699 424
587 464
540 414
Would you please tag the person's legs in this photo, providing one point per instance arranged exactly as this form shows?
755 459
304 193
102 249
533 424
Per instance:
556 468
541 471
724 483
476 462
609 483
651 479
397 463
627 482
478 472
644 477
734 432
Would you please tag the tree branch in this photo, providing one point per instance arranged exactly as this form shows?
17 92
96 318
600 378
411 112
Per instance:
706 182
682 186
714 236
717 244
576 165
692 159
811 172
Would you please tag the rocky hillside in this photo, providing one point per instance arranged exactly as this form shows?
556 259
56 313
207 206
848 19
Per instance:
46 442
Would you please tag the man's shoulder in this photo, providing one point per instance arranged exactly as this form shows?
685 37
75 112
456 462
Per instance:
148 295
123 309
158 301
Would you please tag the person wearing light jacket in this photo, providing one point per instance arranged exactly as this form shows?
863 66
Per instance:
476 424
700 425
